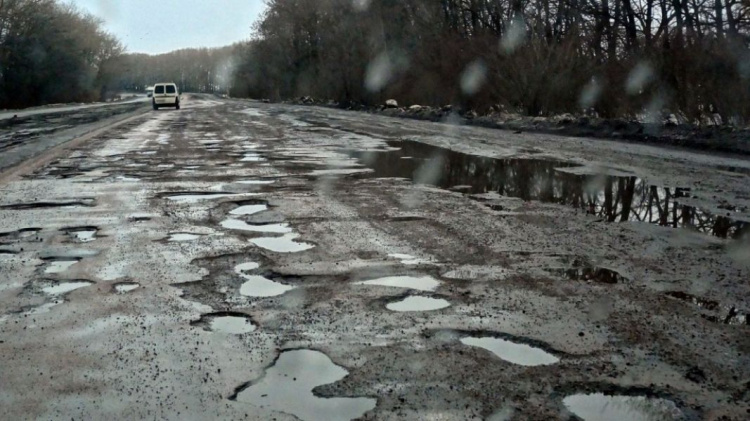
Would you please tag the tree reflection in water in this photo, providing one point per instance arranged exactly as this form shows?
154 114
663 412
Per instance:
614 198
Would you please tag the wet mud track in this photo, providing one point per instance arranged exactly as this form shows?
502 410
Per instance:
193 264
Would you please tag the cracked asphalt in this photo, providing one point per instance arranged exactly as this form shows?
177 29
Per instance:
129 263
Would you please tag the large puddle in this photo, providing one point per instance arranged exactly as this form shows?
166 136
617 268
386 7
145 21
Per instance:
515 353
283 244
418 303
288 386
614 198
421 283
601 407
259 286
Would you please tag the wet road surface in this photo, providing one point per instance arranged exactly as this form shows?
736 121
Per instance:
213 262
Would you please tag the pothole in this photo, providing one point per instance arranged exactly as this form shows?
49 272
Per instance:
60 288
236 224
194 197
408 259
226 322
590 274
50 204
288 386
418 303
283 244
59 265
259 286
181 237
256 182
248 209
82 234
601 407
8 251
125 287
516 353
421 283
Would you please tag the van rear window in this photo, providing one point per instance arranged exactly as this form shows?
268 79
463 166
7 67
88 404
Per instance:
170 89
159 89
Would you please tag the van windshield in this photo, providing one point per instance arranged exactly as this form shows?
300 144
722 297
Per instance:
159 89
171 89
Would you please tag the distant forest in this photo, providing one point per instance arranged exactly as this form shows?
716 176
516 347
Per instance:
612 58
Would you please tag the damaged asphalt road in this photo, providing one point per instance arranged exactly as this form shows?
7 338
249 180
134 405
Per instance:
239 260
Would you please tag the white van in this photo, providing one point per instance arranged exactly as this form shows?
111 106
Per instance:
166 94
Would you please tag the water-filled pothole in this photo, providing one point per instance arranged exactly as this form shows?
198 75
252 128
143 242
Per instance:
591 274
181 237
516 353
612 197
256 182
226 322
288 386
249 209
82 234
421 283
60 288
194 197
50 204
283 244
418 303
59 265
125 287
259 286
236 224
601 407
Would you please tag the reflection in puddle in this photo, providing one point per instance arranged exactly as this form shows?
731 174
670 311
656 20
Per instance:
248 210
601 407
612 197
421 283
44 308
125 287
65 287
127 179
515 353
236 224
182 237
59 266
288 387
283 244
418 303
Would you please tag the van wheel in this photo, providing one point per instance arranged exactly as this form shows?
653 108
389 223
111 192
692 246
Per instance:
156 107
177 105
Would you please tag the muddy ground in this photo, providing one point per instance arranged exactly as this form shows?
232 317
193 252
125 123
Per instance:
121 294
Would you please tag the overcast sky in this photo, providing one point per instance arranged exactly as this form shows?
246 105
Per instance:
159 26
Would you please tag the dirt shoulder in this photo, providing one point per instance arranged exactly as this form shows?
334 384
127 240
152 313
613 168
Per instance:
716 138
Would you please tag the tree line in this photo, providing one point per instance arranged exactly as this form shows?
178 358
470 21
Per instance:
206 70
51 52
617 58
